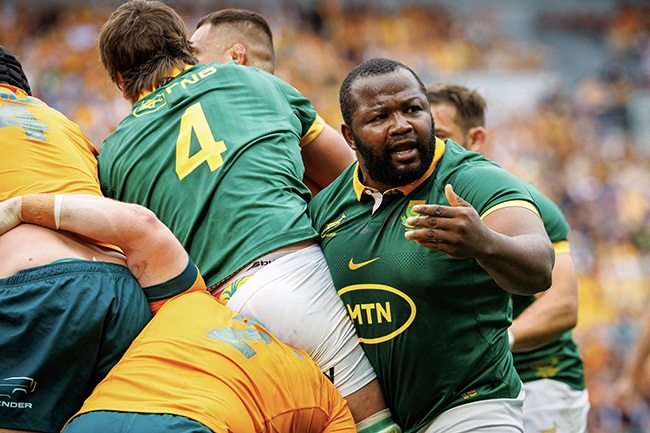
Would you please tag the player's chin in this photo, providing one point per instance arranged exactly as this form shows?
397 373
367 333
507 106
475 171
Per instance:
407 173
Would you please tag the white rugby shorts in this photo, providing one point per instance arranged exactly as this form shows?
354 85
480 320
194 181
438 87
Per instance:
499 415
295 299
554 406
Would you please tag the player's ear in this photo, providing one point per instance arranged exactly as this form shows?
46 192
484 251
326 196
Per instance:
347 134
476 138
239 54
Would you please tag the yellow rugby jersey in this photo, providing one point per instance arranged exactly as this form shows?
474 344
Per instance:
198 359
42 150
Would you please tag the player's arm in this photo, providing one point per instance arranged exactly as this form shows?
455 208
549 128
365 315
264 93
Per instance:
626 387
325 157
519 255
553 313
313 188
510 243
153 254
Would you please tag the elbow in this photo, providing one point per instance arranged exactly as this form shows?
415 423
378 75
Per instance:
543 283
545 274
571 321
145 228
544 279
548 265
543 287
547 281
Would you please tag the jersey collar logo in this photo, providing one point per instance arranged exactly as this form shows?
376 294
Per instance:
150 105
354 266
409 212
327 231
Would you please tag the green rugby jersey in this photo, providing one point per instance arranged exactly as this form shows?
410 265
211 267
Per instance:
215 153
559 360
434 327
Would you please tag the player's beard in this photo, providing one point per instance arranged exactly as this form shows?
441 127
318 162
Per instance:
381 168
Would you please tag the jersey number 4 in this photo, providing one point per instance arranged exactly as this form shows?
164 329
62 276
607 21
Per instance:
194 121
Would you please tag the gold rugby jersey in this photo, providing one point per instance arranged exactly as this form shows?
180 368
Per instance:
42 150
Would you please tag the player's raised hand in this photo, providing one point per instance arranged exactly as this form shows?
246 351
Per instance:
455 230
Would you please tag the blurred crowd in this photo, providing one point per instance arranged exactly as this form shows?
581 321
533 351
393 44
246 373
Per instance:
578 144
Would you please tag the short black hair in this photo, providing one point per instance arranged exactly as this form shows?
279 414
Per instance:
11 71
369 68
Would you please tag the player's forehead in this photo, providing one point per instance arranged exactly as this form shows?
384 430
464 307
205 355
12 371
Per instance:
389 89
445 112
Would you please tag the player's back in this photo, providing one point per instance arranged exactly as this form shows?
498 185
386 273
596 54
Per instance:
198 359
71 314
215 153
43 152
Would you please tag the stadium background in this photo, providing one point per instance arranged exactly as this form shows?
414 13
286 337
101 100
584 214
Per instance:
568 90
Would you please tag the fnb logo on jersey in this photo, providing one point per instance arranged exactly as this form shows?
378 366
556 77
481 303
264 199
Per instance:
150 105
379 312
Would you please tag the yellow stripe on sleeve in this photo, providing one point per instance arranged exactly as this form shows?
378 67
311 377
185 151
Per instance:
562 247
314 130
512 203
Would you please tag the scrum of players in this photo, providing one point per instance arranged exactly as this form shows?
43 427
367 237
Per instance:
231 263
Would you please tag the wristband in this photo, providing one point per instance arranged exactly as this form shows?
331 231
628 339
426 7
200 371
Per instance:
58 203
511 338
40 209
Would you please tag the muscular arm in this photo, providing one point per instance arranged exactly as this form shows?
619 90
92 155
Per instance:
553 313
152 252
510 243
325 158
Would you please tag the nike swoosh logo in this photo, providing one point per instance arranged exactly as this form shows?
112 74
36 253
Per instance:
354 266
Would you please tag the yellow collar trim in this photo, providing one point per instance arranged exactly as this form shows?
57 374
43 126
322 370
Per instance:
359 187
20 93
175 73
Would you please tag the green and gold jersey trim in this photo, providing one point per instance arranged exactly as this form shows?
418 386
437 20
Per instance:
175 72
512 203
314 131
562 247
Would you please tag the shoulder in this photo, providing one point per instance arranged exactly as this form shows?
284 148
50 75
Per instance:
480 181
466 168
